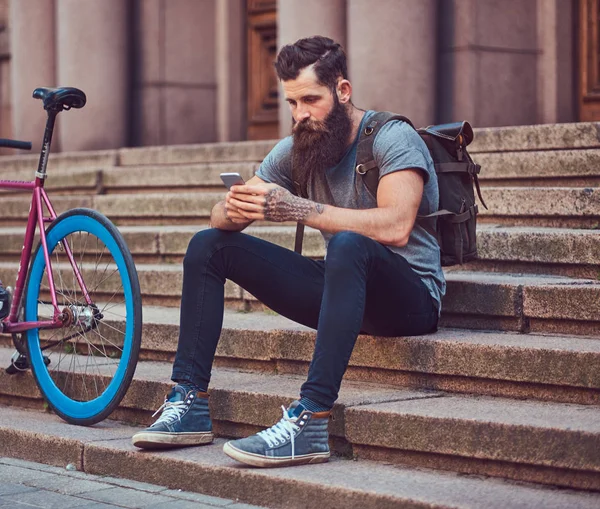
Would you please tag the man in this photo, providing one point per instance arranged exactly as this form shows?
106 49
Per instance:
381 274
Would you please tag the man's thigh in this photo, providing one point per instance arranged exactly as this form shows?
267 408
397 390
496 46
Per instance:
397 301
283 280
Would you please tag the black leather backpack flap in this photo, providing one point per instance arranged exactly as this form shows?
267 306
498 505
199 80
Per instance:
452 132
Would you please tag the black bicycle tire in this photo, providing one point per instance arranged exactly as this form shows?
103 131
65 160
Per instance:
137 318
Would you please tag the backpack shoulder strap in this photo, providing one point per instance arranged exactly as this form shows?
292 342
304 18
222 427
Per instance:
365 163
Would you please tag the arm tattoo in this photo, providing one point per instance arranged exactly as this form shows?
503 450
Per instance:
281 205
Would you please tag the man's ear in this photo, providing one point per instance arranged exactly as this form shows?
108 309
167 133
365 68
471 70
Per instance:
344 91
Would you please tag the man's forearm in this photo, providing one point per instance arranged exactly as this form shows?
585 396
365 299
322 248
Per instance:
219 219
377 223
381 224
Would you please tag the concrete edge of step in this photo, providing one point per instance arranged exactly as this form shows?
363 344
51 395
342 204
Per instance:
106 450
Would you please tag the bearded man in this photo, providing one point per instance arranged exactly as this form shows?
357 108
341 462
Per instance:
381 275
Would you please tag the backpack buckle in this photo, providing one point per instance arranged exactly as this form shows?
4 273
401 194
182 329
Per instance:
370 128
363 168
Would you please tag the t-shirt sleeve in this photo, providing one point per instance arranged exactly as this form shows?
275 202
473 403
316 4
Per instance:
399 147
276 167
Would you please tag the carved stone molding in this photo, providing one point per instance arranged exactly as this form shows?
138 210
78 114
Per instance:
262 81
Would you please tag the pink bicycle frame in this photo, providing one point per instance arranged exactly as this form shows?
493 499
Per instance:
36 216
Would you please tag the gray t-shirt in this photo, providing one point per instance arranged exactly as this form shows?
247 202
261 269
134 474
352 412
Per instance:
396 147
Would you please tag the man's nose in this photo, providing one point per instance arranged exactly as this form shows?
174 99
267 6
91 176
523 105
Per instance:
302 114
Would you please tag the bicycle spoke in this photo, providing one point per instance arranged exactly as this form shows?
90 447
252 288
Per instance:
116 270
106 324
107 309
103 340
109 300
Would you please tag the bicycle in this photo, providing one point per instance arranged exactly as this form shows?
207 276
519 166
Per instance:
75 313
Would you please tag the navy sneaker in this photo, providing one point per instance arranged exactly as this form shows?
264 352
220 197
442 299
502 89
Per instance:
300 437
185 420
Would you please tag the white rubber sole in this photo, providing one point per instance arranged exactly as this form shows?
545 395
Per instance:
256 460
164 440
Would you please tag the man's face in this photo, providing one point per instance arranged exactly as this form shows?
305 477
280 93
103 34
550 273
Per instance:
322 126
309 101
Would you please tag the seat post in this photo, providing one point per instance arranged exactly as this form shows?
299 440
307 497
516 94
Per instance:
41 171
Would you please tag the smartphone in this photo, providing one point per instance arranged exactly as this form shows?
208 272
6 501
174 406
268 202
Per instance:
232 179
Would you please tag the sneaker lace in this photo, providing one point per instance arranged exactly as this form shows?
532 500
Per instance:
285 429
172 410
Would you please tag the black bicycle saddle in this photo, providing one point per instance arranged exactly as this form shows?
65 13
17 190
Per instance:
60 98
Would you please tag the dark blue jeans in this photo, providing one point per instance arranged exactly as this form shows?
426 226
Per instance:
361 287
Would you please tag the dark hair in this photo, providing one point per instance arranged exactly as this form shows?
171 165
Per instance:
327 55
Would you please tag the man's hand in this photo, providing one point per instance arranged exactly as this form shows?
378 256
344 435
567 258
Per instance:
268 202
232 213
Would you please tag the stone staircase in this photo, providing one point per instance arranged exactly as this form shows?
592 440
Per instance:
508 388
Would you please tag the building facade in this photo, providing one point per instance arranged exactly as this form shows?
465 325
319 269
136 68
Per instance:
160 72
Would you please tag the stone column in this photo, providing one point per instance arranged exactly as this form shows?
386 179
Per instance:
92 47
33 63
555 82
231 57
296 20
392 56
488 62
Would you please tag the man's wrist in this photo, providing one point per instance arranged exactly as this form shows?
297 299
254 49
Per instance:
314 217
281 205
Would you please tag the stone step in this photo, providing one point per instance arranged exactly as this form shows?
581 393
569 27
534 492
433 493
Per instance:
521 302
151 208
544 442
173 178
556 251
564 168
536 137
544 367
71 161
540 206
521 249
105 449
169 243
147 208
576 136
86 181
480 300
163 155
138 179
201 153
550 168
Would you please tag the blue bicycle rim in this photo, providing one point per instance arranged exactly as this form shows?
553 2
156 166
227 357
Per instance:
64 404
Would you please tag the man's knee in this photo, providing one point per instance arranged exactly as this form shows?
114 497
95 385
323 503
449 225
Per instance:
203 244
347 247
348 241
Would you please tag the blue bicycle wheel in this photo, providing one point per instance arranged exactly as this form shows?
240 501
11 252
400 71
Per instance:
92 357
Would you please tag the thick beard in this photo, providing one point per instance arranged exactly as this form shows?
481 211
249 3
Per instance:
320 145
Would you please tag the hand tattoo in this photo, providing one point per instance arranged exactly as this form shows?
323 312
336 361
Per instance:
281 205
